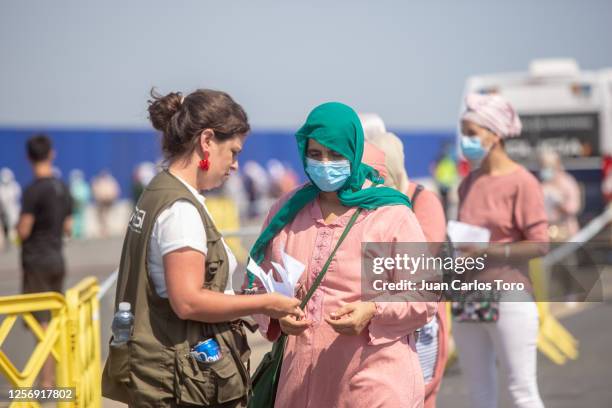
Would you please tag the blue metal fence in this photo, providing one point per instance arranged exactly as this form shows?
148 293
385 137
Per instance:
119 151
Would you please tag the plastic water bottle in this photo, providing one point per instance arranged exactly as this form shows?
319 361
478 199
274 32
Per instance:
122 324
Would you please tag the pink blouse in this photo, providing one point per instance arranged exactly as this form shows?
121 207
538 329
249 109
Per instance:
511 206
430 213
321 368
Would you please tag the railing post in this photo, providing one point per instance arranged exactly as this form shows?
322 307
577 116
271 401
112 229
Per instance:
72 302
84 332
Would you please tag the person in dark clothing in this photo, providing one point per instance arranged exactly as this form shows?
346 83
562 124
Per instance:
45 218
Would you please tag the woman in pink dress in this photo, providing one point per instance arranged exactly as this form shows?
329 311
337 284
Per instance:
562 200
346 352
503 197
385 152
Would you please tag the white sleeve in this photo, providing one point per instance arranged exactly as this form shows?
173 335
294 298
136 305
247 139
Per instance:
180 226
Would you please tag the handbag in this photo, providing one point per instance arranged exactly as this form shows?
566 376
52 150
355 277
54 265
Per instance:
475 307
266 376
486 311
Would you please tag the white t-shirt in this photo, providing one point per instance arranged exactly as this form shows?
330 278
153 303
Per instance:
180 226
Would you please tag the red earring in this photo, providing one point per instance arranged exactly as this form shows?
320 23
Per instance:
204 163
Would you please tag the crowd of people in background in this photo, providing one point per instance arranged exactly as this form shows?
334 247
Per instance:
256 185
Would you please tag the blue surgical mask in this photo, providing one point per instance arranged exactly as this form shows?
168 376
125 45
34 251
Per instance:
547 174
328 176
472 149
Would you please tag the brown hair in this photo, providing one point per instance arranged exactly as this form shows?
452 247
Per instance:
182 119
39 148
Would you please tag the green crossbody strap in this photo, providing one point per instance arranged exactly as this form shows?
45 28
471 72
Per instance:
321 274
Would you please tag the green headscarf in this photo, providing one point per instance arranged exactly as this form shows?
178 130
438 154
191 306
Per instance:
337 127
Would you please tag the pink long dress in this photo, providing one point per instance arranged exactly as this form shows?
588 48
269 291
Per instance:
430 213
321 368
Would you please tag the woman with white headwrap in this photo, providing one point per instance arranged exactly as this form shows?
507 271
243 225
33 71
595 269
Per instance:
385 152
505 198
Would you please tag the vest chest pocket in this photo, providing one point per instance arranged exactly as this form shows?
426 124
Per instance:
207 383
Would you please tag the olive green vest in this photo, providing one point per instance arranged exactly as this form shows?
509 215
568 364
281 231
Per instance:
154 368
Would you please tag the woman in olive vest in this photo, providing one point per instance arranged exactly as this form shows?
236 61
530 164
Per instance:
176 270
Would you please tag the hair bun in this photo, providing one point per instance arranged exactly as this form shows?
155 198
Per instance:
162 108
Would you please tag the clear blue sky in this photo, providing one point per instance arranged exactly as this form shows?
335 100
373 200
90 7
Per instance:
75 63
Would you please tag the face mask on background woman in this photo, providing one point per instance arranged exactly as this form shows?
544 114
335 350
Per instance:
547 174
328 176
472 149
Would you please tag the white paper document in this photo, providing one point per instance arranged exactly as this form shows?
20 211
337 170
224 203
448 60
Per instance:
460 232
289 272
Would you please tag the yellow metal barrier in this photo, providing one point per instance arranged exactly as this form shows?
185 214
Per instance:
72 338
225 213
51 342
451 348
554 341
84 333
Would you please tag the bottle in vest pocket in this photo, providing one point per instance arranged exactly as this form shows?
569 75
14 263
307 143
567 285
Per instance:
207 351
123 321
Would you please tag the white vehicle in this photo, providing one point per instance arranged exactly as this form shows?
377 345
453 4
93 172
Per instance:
562 108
